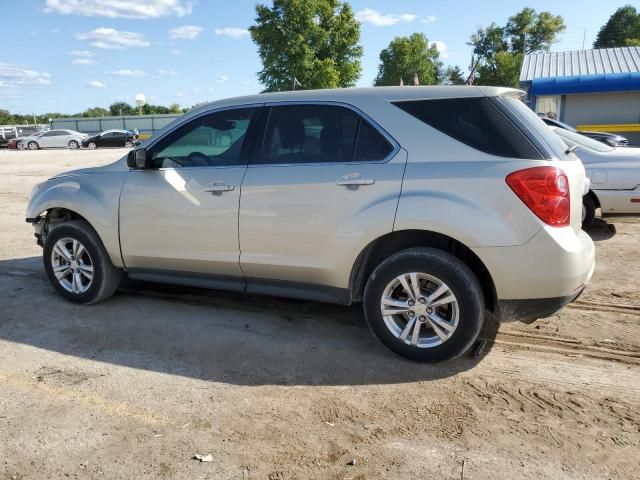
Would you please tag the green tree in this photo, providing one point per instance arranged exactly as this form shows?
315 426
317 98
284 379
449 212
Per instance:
503 70
529 31
407 56
96 112
622 29
175 108
314 41
499 51
121 108
453 76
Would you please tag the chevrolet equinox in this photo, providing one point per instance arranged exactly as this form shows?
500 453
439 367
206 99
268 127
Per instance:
430 205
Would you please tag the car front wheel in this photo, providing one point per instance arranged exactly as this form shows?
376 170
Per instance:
78 265
129 144
92 145
33 146
424 304
588 211
73 144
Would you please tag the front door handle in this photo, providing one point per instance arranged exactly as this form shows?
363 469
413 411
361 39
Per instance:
218 188
354 180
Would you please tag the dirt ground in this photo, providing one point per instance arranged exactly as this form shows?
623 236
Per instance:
277 390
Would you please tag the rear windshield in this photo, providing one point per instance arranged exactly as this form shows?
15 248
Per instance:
477 122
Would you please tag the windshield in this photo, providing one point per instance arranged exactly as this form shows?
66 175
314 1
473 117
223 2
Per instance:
577 139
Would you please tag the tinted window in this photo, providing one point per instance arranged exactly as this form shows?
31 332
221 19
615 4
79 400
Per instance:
212 140
477 122
320 133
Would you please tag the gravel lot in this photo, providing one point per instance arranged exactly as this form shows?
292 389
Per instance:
276 389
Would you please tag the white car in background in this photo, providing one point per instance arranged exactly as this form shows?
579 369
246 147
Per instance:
614 175
54 139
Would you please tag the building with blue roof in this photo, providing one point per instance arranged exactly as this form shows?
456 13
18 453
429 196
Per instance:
595 89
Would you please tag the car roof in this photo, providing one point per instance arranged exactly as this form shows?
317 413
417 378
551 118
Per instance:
348 95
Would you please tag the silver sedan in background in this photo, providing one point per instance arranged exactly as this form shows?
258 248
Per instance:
614 175
54 139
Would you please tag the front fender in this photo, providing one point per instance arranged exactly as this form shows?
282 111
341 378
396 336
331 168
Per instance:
95 197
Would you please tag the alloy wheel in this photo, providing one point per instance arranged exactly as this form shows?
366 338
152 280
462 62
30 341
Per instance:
420 310
72 265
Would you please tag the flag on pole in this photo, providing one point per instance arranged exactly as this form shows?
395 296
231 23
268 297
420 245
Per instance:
296 83
401 83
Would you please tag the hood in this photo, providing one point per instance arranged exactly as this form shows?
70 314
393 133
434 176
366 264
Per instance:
602 134
118 165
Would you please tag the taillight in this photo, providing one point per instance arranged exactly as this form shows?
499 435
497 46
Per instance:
545 190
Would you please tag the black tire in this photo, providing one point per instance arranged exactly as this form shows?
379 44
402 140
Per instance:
33 146
106 278
73 144
92 145
589 212
448 269
129 144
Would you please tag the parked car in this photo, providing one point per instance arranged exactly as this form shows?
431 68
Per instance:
427 204
15 143
614 175
9 133
111 138
611 139
54 139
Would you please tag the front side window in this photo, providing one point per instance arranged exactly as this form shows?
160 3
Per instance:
212 140
321 134
476 122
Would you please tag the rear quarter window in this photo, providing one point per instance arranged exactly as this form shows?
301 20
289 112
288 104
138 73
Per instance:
476 122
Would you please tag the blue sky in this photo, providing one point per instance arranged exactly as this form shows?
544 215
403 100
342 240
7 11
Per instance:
68 55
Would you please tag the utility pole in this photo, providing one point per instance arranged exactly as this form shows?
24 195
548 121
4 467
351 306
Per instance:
584 37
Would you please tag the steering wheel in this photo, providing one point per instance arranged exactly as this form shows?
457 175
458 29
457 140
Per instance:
196 157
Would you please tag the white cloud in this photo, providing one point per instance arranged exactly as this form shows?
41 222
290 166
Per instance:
188 32
111 38
82 53
55 31
166 73
83 61
176 51
442 48
232 32
119 8
13 75
96 84
221 79
378 19
429 19
128 73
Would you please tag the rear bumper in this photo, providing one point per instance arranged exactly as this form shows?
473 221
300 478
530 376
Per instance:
530 310
543 275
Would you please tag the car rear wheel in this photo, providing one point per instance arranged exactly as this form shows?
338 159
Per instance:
33 146
129 144
424 304
78 265
73 144
92 145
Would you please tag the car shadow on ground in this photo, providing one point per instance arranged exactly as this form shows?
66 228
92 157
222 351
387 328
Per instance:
210 335
601 230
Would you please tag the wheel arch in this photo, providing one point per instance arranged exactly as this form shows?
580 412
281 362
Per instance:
393 242
595 198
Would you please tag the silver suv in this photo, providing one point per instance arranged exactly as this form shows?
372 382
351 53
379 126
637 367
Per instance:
430 205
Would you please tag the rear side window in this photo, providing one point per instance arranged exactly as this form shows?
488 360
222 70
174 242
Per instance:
476 122
321 134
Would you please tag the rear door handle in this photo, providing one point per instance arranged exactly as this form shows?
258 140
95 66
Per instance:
219 188
354 180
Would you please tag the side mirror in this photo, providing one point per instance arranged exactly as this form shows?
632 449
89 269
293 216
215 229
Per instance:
137 158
